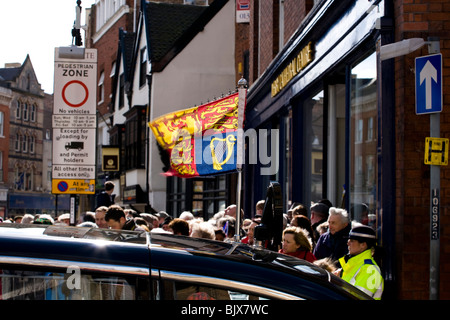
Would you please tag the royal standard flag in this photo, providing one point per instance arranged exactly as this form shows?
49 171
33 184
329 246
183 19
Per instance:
203 140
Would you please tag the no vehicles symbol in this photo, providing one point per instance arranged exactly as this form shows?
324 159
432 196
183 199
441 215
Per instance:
75 93
63 186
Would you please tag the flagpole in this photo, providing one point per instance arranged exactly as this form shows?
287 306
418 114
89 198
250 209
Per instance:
242 97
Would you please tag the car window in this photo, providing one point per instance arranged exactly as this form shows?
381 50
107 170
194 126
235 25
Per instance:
181 290
40 284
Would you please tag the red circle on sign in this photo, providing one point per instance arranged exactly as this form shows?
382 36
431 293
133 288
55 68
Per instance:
64 93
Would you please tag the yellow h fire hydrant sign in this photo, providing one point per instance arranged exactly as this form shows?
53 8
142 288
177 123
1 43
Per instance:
436 151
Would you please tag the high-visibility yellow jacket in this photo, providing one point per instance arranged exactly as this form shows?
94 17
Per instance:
363 272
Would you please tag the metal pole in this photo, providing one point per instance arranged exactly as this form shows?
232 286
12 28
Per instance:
242 97
73 204
435 185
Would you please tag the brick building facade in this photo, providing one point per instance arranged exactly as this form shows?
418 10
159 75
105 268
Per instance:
345 39
419 19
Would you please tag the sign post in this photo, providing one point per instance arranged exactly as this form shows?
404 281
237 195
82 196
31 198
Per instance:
429 101
74 123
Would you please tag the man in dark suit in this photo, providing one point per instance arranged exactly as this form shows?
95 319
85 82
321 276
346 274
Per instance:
106 198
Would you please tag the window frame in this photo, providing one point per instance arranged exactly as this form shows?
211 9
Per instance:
21 263
226 284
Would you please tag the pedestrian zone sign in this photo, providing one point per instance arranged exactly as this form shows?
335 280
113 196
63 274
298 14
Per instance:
429 84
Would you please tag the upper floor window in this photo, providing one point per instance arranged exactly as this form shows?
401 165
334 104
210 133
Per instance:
18 142
106 9
1 166
31 143
33 111
101 88
2 123
24 144
143 67
18 110
25 111
121 91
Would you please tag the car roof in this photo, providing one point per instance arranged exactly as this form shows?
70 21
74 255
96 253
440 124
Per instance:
60 242
163 251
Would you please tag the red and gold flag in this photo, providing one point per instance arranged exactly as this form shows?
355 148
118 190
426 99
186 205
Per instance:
201 140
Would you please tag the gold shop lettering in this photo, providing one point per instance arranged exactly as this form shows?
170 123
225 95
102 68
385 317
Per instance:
300 61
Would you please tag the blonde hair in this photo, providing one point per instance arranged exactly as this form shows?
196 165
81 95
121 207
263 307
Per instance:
203 230
326 263
300 237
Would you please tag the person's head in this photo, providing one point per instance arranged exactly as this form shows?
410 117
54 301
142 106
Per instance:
231 211
100 217
260 207
179 227
130 213
203 230
186 215
360 239
337 220
140 222
301 221
251 232
109 186
227 223
64 218
319 212
115 217
162 215
220 234
326 263
27 218
18 219
299 210
165 224
152 220
44 219
89 216
295 238
360 212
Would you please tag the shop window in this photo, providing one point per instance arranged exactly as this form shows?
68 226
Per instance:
314 142
363 144
19 179
29 180
203 197
209 196
176 195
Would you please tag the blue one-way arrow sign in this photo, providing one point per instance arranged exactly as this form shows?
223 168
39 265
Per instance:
429 84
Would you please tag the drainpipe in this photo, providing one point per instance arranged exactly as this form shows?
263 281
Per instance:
147 169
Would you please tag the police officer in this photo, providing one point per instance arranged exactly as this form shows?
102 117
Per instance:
358 266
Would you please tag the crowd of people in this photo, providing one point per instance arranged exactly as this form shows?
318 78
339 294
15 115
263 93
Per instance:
326 237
